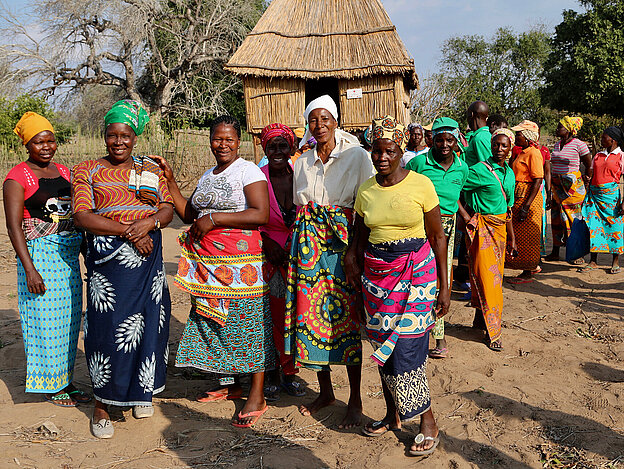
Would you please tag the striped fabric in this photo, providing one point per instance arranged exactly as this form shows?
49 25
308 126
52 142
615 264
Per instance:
567 160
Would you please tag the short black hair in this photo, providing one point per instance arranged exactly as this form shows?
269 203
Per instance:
225 120
496 119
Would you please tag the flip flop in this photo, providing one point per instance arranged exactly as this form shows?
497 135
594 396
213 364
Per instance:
579 261
80 397
57 398
496 346
256 414
537 270
377 426
519 280
615 270
271 393
420 438
294 389
438 352
212 396
586 268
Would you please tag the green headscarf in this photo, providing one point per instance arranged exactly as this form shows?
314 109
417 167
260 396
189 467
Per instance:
128 112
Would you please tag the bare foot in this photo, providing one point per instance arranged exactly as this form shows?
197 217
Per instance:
428 427
317 404
354 415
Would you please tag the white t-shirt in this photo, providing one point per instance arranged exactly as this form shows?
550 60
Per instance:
409 154
223 192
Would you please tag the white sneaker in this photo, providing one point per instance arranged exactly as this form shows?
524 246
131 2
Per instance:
103 428
142 411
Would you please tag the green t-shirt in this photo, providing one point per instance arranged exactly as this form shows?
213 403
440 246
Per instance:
479 146
483 190
448 183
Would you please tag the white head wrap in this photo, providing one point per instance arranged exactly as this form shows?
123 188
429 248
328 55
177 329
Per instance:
323 102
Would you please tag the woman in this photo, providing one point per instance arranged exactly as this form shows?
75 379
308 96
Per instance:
448 173
489 192
568 188
603 207
528 167
122 202
398 223
278 143
228 331
322 321
37 204
416 145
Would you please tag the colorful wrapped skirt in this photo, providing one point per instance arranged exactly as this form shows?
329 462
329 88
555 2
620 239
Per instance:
321 324
448 225
487 239
528 232
229 327
601 212
51 322
399 286
127 321
568 194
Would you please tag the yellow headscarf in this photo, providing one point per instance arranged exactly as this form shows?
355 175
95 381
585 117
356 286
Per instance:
573 124
30 125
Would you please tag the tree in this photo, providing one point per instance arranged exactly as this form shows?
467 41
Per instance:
167 54
505 71
584 71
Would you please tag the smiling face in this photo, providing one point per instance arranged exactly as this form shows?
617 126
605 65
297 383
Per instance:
386 156
501 145
224 144
278 152
443 145
41 147
322 125
120 140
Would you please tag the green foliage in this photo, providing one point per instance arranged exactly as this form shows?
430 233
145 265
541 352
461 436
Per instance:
585 70
505 71
11 110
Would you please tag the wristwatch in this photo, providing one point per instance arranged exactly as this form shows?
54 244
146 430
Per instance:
156 223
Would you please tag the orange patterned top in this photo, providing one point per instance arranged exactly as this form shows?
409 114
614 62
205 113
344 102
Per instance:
105 191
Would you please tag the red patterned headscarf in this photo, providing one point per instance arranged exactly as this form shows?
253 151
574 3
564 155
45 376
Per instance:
277 130
388 127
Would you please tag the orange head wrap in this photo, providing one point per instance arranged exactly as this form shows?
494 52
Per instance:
30 125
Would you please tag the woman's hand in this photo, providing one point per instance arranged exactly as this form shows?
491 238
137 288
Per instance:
274 253
511 247
35 283
523 213
144 245
137 229
548 200
164 165
200 227
443 302
353 271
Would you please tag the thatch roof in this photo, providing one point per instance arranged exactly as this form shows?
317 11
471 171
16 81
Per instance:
321 39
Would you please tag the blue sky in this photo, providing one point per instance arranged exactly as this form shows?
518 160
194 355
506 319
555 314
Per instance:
425 24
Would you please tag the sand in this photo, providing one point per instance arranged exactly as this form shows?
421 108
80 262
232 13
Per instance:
553 394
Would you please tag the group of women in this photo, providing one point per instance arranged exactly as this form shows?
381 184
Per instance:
282 263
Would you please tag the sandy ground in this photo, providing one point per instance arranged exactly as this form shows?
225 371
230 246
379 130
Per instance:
554 394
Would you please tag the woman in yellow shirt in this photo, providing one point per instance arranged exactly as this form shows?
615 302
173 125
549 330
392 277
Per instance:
400 247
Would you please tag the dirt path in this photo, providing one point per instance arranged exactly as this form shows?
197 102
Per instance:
556 391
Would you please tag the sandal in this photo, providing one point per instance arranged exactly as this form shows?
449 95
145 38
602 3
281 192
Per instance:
378 428
615 270
256 414
537 270
438 352
293 388
586 268
579 261
80 397
271 393
497 346
212 396
420 438
57 399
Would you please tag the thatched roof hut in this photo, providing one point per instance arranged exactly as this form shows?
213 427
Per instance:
302 49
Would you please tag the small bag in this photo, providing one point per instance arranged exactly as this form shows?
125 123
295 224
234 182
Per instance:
577 244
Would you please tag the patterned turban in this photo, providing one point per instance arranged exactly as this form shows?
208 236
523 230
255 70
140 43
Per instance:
277 130
529 129
128 112
573 124
506 132
388 127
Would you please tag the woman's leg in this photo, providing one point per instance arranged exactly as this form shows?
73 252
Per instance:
100 411
615 264
354 406
392 416
326 394
428 427
255 401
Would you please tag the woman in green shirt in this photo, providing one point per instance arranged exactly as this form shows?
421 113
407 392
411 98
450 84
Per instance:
490 194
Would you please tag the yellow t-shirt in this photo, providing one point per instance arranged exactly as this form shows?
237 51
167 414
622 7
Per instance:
396 212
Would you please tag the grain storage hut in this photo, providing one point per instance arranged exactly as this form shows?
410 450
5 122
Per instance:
302 49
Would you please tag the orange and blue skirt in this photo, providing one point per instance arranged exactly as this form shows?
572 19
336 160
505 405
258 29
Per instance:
601 211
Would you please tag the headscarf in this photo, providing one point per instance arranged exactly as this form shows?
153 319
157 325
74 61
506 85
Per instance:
299 132
616 134
573 124
529 129
277 130
30 125
506 132
414 125
388 127
445 125
128 112
323 102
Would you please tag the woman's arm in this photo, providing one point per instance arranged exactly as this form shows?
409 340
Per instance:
437 240
524 208
589 170
548 183
257 196
14 213
511 238
354 262
183 207
138 229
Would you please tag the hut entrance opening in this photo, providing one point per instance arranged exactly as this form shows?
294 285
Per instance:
316 88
